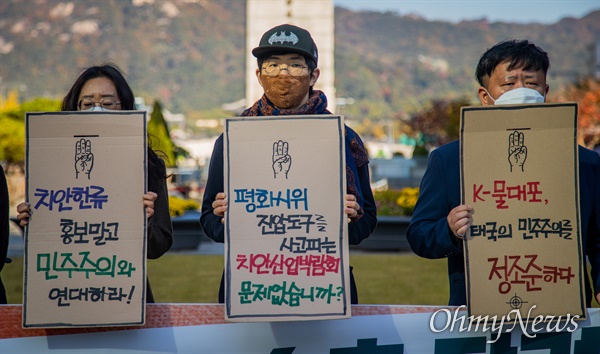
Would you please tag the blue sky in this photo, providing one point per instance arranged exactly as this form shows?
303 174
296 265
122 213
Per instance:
521 11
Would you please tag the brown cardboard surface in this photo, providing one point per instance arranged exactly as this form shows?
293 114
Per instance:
286 247
85 244
519 171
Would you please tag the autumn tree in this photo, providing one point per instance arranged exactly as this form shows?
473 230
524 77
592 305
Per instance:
586 92
440 122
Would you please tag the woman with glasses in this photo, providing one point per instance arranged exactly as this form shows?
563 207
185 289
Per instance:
287 70
104 88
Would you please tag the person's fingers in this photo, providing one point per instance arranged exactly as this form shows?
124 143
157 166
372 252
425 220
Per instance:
23 207
150 196
459 220
220 204
24 213
24 216
149 199
461 232
220 211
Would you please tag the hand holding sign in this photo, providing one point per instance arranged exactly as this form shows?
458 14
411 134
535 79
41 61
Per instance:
281 160
517 151
84 159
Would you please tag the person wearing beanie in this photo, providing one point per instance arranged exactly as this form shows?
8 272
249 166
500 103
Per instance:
287 59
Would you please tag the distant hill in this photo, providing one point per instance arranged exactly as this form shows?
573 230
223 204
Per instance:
191 54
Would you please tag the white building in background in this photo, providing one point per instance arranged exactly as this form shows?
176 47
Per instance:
316 16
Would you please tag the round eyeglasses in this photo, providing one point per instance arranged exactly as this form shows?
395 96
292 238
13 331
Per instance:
106 103
273 69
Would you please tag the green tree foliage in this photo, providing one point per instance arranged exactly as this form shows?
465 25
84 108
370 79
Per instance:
194 58
160 139
12 133
12 140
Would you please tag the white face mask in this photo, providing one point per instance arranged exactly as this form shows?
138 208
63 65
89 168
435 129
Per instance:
518 96
98 109
95 109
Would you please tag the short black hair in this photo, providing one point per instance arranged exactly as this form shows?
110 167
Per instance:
519 53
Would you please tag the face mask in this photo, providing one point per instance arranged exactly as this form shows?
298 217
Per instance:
286 91
97 109
518 96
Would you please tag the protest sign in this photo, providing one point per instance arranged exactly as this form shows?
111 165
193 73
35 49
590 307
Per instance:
85 244
286 247
519 171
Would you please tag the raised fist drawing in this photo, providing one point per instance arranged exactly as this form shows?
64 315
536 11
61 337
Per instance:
84 159
281 160
517 151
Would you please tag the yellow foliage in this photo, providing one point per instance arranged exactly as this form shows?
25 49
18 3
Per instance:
178 206
396 202
408 198
11 102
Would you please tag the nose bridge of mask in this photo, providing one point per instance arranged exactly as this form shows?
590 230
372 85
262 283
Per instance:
518 96
95 109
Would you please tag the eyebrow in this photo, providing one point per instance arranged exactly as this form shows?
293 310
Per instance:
103 96
527 76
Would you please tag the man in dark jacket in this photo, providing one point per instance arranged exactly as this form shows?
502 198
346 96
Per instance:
510 72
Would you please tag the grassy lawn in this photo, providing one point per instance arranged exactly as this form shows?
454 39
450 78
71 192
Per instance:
382 278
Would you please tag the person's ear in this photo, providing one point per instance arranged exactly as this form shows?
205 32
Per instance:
259 77
315 76
547 90
484 97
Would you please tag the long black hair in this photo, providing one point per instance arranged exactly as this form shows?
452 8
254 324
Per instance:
156 166
109 71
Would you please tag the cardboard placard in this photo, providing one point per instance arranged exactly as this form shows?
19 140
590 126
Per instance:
85 245
519 171
286 246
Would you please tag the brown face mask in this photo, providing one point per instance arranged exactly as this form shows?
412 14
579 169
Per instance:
285 91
